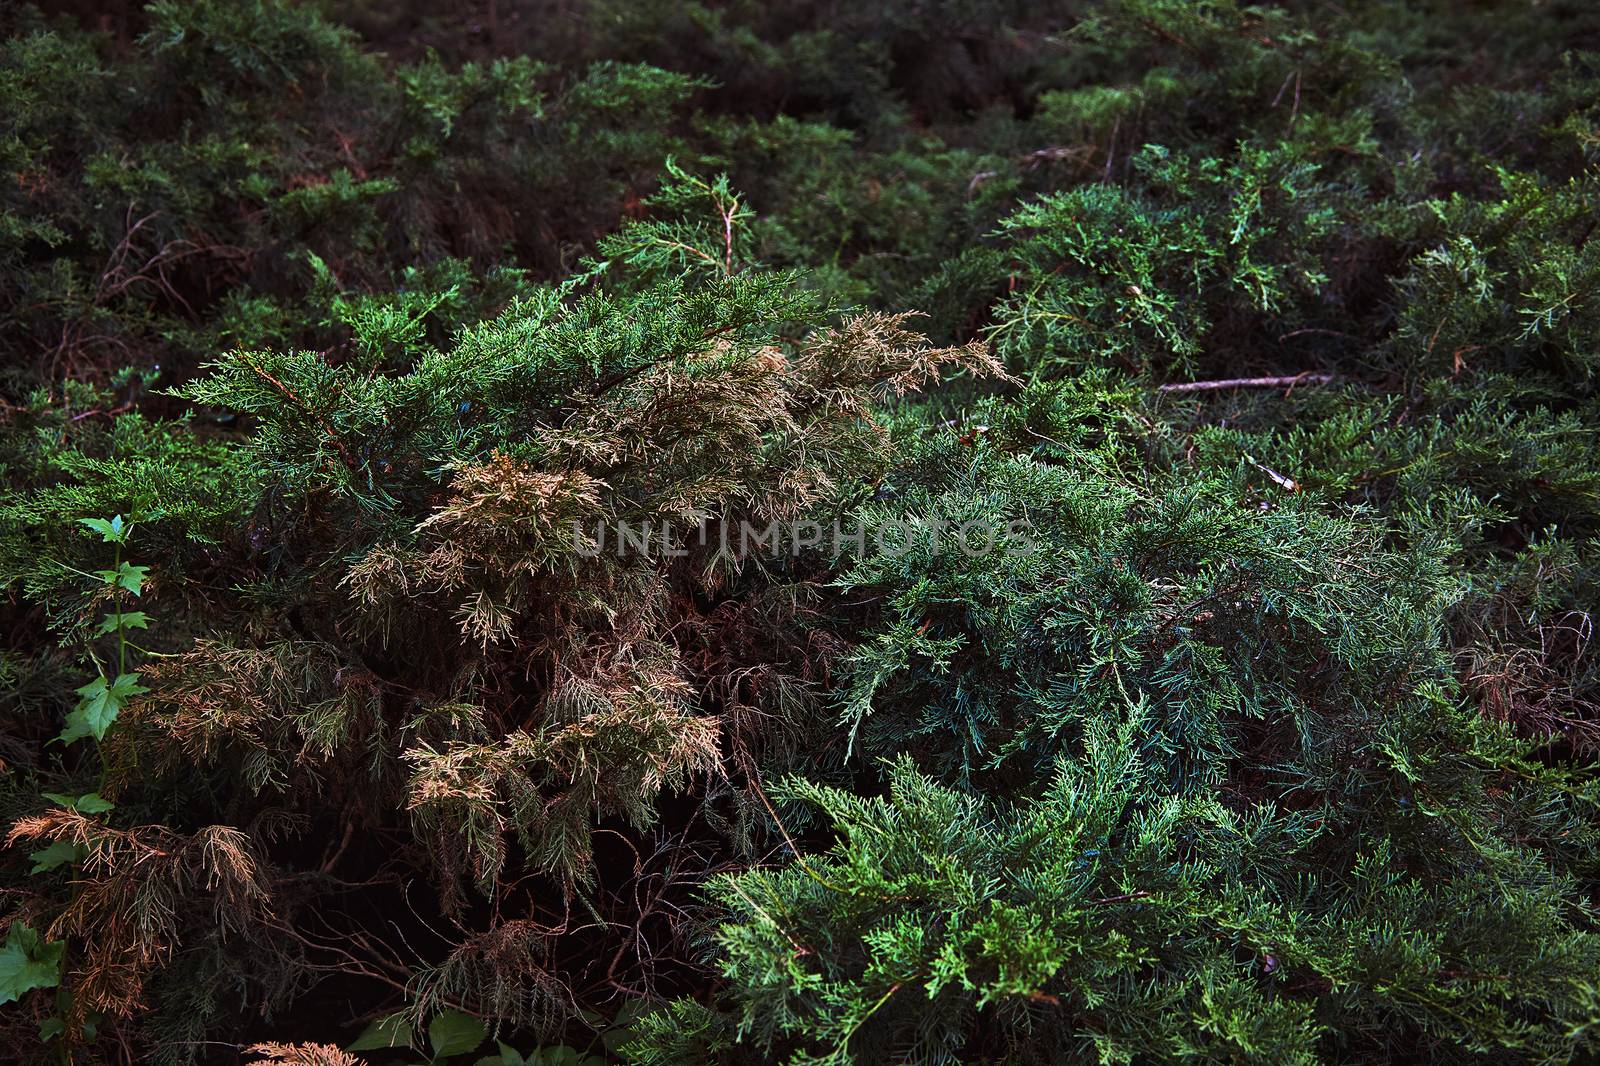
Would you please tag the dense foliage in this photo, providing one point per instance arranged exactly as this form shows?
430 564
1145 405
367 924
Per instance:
1259 344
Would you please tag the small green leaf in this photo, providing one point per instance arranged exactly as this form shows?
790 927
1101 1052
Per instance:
99 706
387 1032
93 803
61 853
88 803
509 1056
51 1027
27 963
454 1033
128 620
112 531
624 1025
132 577
77 727
125 575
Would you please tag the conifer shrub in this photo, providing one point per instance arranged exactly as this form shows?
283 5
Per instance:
208 191
421 645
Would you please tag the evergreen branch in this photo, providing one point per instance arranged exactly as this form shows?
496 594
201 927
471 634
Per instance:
327 428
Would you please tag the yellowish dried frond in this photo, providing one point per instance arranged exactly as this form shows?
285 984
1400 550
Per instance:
606 748
303 1054
499 972
384 574
134 883
874 355
483 620
285 703
464 773
664 413
504 502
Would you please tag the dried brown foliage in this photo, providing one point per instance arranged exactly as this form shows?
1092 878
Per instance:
139 889
302 1055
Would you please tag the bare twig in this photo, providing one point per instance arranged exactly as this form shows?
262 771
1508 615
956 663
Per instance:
1285 382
